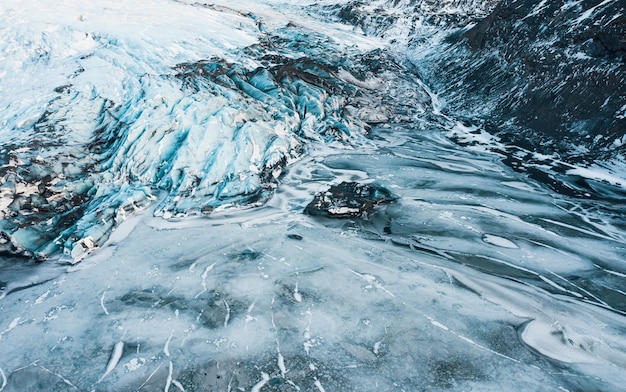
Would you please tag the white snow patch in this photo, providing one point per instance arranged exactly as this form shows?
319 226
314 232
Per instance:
264 379
135 364
588 13
537 9
499 241
598 174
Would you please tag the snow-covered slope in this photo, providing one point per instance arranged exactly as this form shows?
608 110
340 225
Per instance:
545 76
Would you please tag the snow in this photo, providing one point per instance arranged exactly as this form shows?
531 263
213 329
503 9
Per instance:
588 13
499 241
537 9
621 113
581 56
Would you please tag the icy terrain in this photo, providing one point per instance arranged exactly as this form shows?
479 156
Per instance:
160 157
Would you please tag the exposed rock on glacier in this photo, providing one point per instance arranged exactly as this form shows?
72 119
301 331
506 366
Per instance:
349 199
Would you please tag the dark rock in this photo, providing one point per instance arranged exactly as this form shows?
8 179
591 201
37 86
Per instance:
247 255
349 200
548 77
152 298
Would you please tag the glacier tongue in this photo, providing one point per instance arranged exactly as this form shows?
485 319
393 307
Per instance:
124 115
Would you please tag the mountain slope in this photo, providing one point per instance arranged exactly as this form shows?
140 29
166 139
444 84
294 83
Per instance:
547 76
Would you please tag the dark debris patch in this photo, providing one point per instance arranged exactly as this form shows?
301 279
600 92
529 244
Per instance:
349 200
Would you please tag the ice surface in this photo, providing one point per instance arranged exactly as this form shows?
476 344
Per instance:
273 299
475 277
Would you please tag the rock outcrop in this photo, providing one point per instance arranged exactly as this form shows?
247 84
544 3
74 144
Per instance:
547 76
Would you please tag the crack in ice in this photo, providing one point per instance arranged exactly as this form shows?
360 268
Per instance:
372 280
166 347
204 275
102 303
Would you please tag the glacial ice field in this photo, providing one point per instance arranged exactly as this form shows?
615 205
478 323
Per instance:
156 161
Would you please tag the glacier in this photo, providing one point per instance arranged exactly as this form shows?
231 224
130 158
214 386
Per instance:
141 124
163 167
